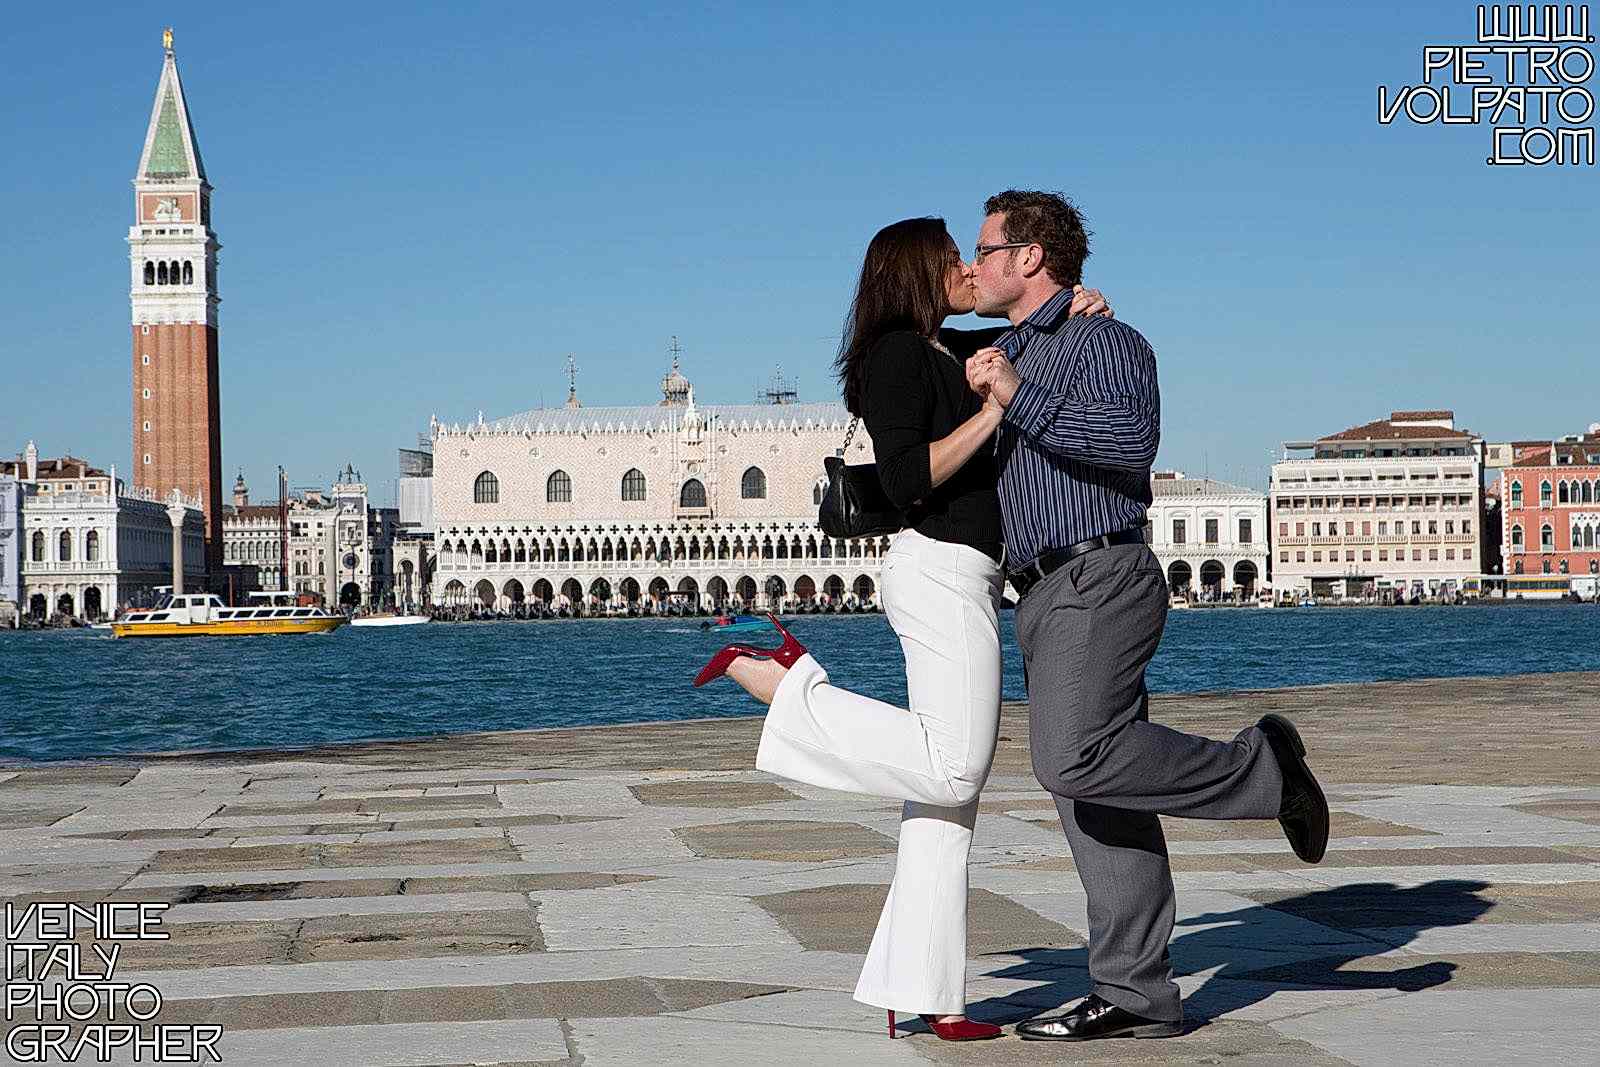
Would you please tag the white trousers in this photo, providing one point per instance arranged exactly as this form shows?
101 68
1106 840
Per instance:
942 601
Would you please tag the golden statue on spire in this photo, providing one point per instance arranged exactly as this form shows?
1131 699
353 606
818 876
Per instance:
166 38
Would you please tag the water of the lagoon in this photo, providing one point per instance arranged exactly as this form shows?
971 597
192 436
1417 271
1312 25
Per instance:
81 693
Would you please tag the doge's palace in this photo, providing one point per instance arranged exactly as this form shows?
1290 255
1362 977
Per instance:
596 509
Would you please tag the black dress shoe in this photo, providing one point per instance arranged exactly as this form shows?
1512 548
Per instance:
1093 1018
1303 812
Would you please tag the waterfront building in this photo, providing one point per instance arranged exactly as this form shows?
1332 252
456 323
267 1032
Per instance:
1389 508
177 435
252 544
668 504
89 545
10 549
341 545
1550 513
1211 537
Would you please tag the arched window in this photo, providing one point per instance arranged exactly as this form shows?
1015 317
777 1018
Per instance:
490 553
1544 494
486 490
188 272
91 546
1588 537
161 273
753 486
65 544
1516 536
1547 538
1588 492
149 272
692 495
558 488
1563 494
172 272
1516 494
38 546
633 485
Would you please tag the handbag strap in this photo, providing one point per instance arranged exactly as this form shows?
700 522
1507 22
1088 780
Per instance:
851 432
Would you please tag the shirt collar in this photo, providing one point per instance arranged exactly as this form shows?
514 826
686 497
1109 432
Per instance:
1046 315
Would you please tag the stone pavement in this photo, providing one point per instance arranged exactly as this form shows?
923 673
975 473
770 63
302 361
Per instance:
639 895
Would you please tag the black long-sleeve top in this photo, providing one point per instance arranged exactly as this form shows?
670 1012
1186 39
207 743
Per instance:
914 395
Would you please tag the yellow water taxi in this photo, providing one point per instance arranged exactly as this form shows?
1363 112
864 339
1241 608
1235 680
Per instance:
204 614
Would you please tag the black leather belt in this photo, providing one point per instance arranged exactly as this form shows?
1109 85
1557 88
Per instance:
1055 558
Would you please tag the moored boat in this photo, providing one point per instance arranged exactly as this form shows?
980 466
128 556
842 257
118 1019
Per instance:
204 614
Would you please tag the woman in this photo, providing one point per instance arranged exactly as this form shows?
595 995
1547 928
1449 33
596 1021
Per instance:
942 579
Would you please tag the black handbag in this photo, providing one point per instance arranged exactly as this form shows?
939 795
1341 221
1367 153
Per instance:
854 504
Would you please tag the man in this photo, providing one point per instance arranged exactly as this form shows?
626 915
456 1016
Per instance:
1082 422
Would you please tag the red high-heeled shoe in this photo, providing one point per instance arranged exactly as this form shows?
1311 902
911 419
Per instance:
960 1030
786 654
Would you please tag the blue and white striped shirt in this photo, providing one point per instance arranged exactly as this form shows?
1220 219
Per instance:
1078 440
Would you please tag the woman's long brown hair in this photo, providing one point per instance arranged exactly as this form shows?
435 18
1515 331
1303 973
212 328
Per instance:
902 287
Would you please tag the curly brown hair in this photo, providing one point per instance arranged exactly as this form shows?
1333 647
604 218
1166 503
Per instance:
1050 221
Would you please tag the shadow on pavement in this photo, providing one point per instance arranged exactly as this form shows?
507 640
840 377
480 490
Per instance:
1257 950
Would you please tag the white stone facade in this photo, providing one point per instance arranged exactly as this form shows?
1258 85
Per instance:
341 546
10 548
1394 507
601 507
88 552
1211 537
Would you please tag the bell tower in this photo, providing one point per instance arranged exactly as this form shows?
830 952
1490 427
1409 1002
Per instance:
177 431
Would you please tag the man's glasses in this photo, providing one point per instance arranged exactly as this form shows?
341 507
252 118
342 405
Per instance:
982 250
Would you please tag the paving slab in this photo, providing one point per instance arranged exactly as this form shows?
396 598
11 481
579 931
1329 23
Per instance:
640 894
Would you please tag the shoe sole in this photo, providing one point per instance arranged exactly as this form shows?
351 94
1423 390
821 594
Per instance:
1298 747
1143 1030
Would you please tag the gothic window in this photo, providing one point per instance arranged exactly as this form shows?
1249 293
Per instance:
38 546
65 546
564 553
522 551
549 550
1544 494
149 273
1516 536
173 272
161 273
1516 494
753 486
1588 492
558 488
633 485
1563 495
188 272
1547 538
486 490
693 494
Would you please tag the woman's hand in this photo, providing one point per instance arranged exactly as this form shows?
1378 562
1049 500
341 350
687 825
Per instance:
1089 302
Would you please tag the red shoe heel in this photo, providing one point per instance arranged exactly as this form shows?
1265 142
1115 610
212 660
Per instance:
786 654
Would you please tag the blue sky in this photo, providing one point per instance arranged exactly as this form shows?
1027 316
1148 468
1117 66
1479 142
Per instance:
425 211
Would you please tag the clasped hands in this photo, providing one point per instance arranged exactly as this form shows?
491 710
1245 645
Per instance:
990 373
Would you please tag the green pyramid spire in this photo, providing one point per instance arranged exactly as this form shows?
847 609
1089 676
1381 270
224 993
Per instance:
167 156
